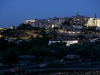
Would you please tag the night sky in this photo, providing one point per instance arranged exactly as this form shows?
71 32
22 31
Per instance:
15 12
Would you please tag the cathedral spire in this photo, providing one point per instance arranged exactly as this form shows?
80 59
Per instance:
95 16
77 14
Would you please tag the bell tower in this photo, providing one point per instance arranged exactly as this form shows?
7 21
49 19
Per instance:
77 14
95 16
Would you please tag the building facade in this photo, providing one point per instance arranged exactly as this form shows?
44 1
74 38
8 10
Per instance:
67 41
93 22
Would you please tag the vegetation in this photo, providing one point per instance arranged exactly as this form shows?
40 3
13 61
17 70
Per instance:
92 28
87 50
81 37
55 64
66 23
9 51
10 57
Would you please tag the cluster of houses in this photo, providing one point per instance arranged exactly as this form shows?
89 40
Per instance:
72 27
56 22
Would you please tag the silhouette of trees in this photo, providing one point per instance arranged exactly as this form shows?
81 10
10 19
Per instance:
10 57
66 22
81 37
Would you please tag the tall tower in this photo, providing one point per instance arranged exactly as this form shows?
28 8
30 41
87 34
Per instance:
95 16
77 14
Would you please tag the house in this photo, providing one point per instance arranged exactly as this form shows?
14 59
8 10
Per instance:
77 26
94 39
72 56
9 39
68 40
18 41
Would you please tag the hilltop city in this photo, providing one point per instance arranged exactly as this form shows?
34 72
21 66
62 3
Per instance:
68 29
68 42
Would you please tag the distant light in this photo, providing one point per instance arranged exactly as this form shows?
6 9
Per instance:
53 26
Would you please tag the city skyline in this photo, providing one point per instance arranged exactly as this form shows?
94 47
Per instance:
13 13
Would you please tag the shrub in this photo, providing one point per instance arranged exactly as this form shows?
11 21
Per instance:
16 73
55 64
25 73
22 73
29 72
35 71
1 74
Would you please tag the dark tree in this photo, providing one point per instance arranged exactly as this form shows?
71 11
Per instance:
81 37
10 57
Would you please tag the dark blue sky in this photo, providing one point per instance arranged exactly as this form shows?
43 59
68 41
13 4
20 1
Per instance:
15 12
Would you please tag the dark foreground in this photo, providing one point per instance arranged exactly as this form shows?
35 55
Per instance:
56 71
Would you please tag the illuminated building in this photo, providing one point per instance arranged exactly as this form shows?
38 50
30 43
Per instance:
93 22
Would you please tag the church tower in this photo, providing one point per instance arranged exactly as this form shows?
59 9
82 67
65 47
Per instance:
95 16
77 14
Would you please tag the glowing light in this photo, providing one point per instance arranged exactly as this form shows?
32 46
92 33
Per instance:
0 36
53 25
